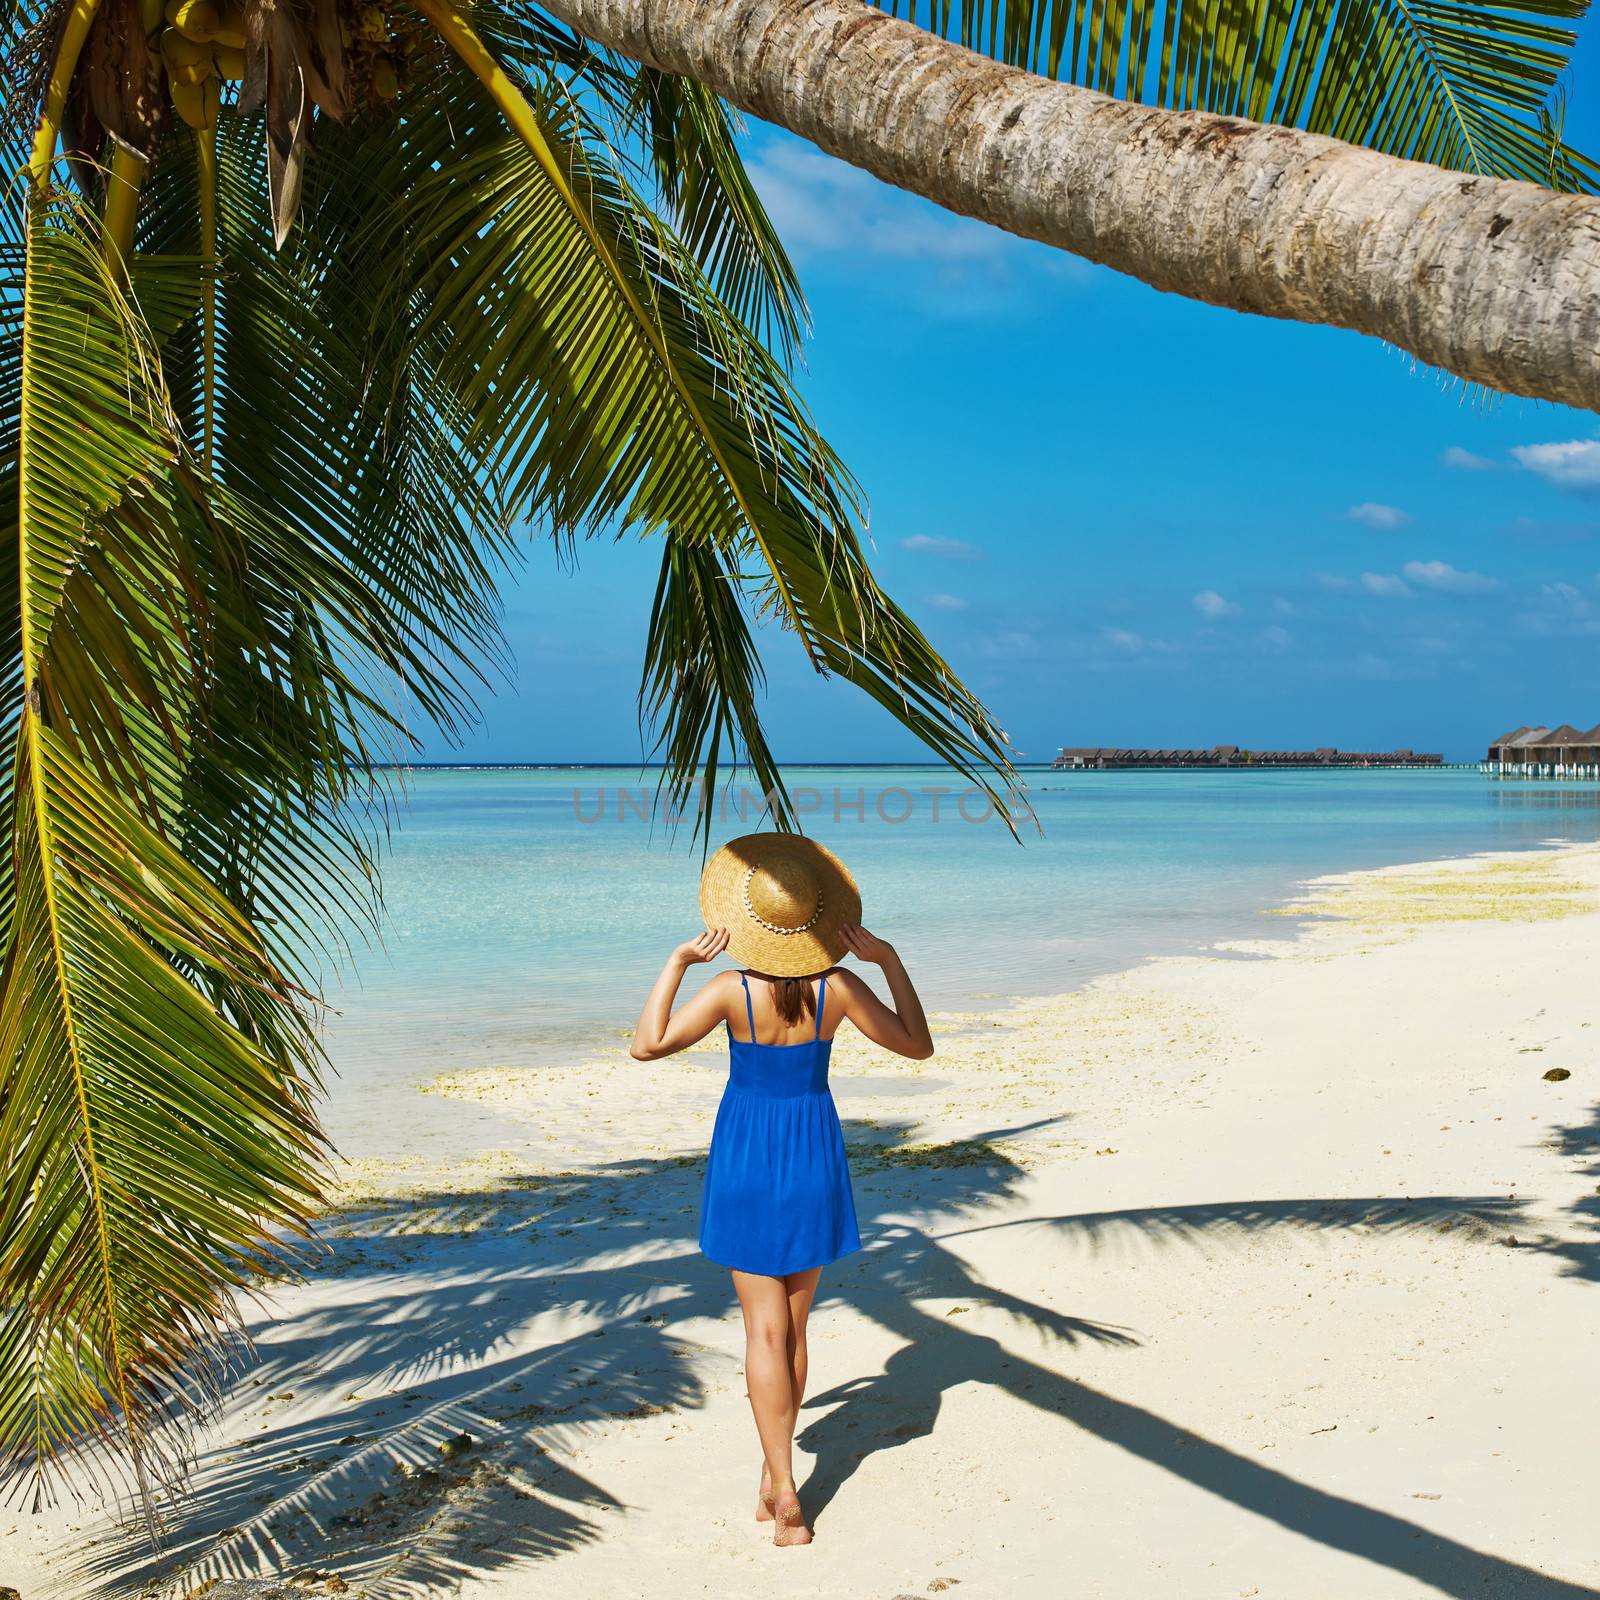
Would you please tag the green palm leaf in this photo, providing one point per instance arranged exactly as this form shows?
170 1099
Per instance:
606 385
719 217
679 142
256 504
150 1130
146 1137
1459 83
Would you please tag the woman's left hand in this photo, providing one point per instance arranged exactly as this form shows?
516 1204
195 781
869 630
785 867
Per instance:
865 946
707 947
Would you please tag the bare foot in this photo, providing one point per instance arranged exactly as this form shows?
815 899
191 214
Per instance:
791 1520
764 1495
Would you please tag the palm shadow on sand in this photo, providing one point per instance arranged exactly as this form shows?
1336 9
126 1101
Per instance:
427 1352
1580 1143
881 1412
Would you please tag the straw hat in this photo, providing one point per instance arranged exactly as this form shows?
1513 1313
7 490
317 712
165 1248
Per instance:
782 899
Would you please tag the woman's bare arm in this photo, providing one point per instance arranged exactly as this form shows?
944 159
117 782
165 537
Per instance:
904 1029
659 1032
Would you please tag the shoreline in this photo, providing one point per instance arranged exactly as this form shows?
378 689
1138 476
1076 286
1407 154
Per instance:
468 1093
367 1113
1225 1235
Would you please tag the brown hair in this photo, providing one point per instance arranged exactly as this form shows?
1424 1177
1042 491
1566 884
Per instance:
792 998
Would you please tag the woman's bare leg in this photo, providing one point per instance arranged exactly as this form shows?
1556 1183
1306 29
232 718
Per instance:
800 1289
765 1304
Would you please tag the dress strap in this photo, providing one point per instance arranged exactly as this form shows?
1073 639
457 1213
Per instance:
822 995
749 1010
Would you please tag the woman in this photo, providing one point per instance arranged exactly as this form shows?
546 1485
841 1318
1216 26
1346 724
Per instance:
777 1206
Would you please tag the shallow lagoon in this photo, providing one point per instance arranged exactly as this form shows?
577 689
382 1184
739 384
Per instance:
529 909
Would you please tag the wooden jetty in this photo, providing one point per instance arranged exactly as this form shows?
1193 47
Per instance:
1105 758
1564 752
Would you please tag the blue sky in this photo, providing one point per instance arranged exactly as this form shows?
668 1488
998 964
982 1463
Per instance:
1125 518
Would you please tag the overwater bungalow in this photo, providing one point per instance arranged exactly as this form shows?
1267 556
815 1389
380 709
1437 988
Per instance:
1564 752
1107 758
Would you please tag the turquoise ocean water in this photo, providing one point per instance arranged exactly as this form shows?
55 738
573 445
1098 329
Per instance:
529 910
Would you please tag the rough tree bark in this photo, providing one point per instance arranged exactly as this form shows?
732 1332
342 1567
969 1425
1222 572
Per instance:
1495 281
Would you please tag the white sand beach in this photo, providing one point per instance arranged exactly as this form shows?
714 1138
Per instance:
1268 1272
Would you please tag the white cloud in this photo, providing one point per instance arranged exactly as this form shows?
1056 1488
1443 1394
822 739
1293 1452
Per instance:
945 602
951 549
1389 585
946 268
1565 597
820 204
1466 461
1365 665
1136 643
1385 584
826 208
1446 579
1542 530
1277 639
1211 605
1560 610
1372 515
1574 464
1284 608
1012 644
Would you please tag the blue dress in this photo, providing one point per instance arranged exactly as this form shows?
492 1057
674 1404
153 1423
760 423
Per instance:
777 1193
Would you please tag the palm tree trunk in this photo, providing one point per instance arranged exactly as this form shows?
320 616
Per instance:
1495 281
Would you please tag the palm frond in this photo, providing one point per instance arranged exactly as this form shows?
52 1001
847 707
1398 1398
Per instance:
146 1139
256 502
691 139
151 1132
606 386
29 34
11 676
1465 84
370 596
679 143
702 676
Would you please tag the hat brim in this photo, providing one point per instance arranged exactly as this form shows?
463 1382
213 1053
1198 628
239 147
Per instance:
780 955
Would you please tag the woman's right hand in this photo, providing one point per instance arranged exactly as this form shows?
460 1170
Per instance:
865 946
903 1029
707 947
